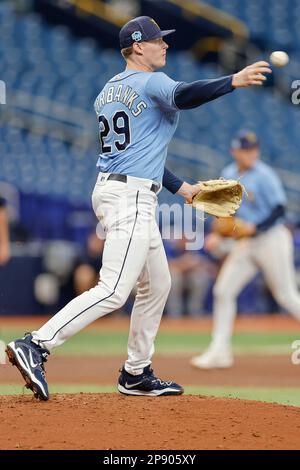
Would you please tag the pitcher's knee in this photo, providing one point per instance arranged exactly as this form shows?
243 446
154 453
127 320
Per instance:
117 297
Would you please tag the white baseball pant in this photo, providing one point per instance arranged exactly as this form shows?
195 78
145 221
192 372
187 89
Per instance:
133 254
270 252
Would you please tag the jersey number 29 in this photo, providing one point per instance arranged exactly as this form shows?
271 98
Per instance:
120 125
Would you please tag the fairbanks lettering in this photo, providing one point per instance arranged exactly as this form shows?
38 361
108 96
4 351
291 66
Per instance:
122 94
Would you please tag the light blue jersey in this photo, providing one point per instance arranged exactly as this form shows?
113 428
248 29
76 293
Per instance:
137 119
264 188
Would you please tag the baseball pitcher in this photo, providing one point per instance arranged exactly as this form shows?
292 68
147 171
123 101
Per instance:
138 112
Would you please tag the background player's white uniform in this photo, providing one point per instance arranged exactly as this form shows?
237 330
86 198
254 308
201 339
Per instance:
270 251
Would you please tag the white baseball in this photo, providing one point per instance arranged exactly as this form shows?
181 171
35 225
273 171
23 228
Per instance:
279 58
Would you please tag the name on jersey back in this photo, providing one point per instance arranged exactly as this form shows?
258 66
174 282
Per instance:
122 94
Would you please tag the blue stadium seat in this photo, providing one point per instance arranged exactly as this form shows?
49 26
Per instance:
281 17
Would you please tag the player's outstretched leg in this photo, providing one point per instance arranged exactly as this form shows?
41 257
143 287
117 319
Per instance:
29 358
146 384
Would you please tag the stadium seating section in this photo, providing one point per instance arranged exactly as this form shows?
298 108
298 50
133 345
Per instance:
48 132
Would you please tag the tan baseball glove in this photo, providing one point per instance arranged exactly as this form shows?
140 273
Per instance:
232 227
221 197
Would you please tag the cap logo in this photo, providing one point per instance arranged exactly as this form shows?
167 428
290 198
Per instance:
137 36
251 137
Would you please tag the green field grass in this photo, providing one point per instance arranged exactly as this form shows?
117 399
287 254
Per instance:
289 396
114 343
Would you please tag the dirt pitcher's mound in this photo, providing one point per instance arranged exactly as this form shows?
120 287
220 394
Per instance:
111 421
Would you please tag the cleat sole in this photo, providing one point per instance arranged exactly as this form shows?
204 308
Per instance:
151 393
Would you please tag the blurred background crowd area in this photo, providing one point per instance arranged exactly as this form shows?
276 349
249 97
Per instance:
55 57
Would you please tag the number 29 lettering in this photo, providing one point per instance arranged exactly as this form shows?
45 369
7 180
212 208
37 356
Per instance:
120 126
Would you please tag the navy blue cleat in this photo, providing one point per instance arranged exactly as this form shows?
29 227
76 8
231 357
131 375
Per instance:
146 384
29 358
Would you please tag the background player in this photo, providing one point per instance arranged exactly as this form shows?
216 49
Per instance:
268 247
138 112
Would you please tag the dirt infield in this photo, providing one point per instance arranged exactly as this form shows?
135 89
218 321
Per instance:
110 421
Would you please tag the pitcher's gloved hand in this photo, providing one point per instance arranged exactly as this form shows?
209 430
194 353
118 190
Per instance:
221 197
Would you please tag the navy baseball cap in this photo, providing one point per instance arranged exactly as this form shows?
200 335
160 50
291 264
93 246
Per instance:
245 140
142 28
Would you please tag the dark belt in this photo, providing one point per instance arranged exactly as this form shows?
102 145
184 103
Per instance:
123 179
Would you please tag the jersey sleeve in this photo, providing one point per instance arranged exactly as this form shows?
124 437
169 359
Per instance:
171 182
2 202
194 94
161 88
